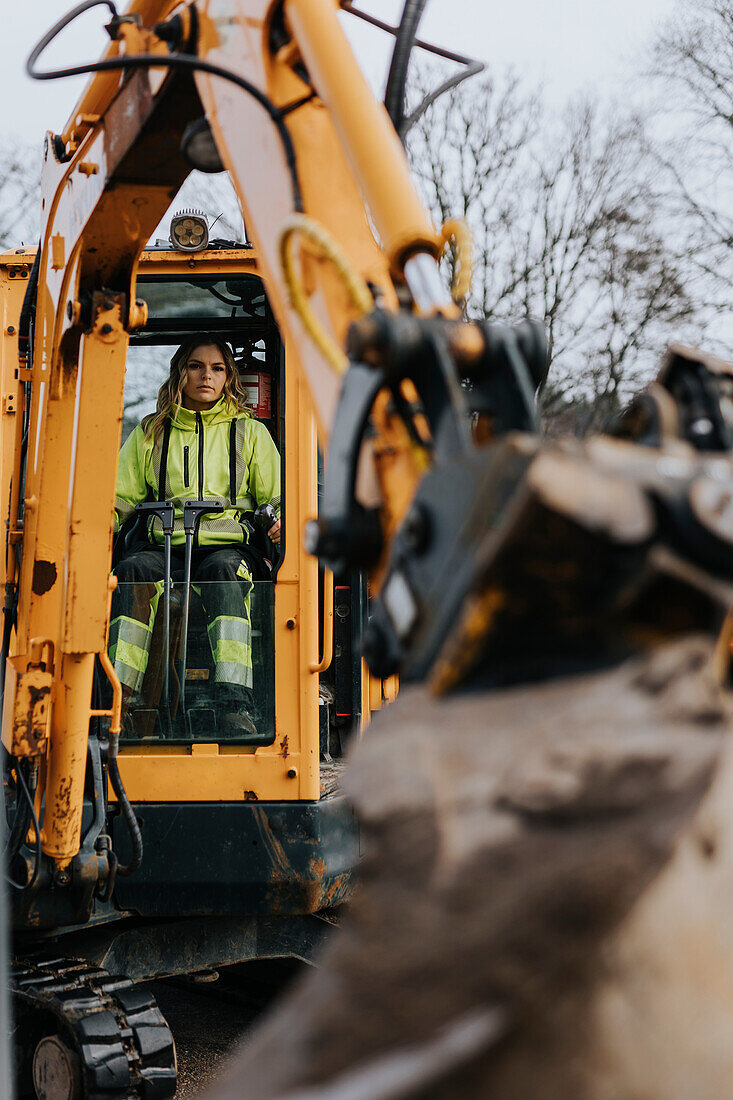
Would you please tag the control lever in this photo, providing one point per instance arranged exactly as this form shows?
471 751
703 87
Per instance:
264 517
193 510
163 509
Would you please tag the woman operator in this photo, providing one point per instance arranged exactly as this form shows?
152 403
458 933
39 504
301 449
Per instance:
184 451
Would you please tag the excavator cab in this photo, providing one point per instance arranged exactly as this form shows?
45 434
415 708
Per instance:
221 296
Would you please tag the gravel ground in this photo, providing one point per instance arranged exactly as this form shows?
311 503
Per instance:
205 1029
209 1020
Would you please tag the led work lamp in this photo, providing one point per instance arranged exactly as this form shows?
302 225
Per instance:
189 231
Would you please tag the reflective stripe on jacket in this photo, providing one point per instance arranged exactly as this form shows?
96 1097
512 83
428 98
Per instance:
198 468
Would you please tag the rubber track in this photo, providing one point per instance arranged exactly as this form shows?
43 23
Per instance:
123 1041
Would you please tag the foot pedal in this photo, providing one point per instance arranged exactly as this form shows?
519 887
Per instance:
201 724
140 722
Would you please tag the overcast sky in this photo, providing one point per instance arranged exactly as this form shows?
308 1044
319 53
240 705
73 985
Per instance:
570 45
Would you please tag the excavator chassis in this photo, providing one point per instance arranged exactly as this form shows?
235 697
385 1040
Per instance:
85 1026
209 859
226 884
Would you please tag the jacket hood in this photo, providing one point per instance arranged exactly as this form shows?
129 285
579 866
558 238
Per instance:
220 413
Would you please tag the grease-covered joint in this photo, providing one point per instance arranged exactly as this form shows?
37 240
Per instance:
27 708
466 342
385 339
109 312
79 311
138 314
394 340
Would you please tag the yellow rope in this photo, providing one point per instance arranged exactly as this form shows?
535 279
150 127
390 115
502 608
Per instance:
355 286
456 230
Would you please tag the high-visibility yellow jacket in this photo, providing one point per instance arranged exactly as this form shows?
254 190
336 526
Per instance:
197 466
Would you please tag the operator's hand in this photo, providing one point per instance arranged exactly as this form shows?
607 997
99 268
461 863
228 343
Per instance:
274 532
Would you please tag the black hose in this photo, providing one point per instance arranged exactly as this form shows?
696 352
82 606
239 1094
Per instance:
472 66
394 96
127 811
21 824
10 604
25 329
7 1029
28 309
187 62
28 795
22 820
26 325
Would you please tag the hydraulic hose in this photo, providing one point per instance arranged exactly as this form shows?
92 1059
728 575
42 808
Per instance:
28 309
7 1088
394 96
114 714
22 820
128 813
24 817
10 602
472 67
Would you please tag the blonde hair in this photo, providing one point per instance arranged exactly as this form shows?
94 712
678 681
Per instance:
170 393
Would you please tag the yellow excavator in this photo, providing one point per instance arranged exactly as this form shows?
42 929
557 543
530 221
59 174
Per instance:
570 595
155 848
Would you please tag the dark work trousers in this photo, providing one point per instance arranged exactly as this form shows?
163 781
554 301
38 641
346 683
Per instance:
224 581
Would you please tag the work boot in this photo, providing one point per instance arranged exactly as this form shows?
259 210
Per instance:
132 701
237 723
236 712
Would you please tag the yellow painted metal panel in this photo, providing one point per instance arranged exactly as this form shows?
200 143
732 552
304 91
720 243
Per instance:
263 776
101 384
12 291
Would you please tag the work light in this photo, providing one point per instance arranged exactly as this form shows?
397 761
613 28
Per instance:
189 231
199 147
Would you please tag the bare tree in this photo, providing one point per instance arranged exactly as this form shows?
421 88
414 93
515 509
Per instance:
693 61
566 228
468 151
20 173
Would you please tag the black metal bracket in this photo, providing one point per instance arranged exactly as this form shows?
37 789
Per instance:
346 535
457 371
701 389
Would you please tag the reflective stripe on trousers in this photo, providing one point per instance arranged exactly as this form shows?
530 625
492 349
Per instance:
230 638
129 644
224 586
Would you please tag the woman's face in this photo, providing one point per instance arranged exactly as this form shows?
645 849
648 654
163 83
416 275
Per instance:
206 374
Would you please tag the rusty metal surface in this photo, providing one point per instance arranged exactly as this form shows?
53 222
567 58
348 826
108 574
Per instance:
145 950
27 710
212 859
